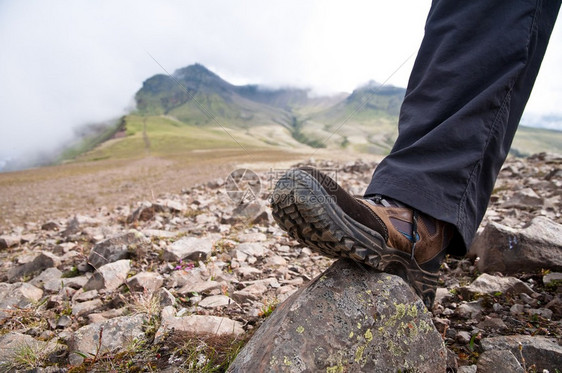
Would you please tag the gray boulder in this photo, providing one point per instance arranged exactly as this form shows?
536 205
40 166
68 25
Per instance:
508 250
350 318
543 352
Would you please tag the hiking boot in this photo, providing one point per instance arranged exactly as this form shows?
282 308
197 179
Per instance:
381 233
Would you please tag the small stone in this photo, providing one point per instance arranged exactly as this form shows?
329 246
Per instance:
182 277
84 296
252 237
467 369
305 252
524 198
276 261
543 352
216 301
499 361
240 256
471 310
169 205
199 287
144 212
251 211
50 226
441 324
252 249
497 307
206 219
49 274
517 309
145 282
197 325
115 334
488 284
40 262
9 241
527 299
19 294
109 276
57 284
463 337
555 305
493 323
542 312
13 343
84 308
442 295
118 247
189 248
166 298
247 271
552 278
63 322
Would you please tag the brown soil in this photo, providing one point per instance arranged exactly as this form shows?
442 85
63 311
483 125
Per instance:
42 194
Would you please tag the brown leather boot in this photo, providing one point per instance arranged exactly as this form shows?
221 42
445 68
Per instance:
383 234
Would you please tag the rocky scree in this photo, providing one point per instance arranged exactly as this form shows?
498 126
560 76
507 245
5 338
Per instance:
181 282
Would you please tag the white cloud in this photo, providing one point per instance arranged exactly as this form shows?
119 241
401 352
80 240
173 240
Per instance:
66 63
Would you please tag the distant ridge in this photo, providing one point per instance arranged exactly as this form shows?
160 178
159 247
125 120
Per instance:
195 108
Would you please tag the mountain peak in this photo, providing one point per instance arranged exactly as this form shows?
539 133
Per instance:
195 70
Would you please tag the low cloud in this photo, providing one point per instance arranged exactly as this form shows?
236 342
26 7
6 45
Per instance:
65 64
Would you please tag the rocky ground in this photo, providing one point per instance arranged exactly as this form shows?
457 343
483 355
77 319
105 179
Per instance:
181 282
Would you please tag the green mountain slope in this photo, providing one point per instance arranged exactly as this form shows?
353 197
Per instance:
196 109
195 95
365 121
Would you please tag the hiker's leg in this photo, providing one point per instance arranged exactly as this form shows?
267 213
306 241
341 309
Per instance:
471 80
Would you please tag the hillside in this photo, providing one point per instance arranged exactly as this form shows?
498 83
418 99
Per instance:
195 108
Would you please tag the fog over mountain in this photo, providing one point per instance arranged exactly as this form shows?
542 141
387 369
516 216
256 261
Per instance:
68 64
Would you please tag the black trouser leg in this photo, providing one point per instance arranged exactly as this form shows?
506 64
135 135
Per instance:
471 80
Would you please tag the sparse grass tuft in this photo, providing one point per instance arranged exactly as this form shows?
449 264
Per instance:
23 319
268 307
25 357
209 354
147 303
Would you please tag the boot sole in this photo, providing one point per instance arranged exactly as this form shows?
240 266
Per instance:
309 214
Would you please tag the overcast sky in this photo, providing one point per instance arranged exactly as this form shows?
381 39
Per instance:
66 63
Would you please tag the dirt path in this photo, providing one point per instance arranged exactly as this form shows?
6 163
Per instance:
43 194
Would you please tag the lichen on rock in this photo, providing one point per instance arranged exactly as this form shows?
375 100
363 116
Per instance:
350 318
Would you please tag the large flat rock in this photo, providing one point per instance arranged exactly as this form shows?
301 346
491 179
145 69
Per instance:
348 319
